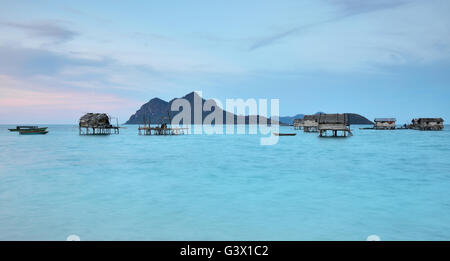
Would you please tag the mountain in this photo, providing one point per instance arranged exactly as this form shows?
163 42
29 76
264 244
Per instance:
157 111
353 118
356 119
289 120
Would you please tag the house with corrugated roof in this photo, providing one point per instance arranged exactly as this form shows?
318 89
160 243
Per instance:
384 123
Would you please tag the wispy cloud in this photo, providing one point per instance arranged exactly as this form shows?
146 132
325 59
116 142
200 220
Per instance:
49 30
81 71
347 8
27 61
355 7
79 12
270 39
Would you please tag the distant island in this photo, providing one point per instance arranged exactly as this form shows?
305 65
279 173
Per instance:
157 111
353 118
289 120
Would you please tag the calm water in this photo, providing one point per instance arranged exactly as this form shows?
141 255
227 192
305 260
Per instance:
395 184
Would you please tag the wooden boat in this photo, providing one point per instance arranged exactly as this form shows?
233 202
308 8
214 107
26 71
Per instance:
18 128
33 131
25 128
284 134
30 130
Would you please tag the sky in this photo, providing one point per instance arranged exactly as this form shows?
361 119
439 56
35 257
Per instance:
379 58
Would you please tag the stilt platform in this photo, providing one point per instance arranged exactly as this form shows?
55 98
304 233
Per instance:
335 132
161 131
99 130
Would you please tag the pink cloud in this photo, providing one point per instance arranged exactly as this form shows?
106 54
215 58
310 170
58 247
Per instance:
20 103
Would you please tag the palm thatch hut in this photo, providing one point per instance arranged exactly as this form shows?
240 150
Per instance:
96 124
427 124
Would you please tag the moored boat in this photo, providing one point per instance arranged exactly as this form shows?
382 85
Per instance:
26 128
18 128
33 131
284 134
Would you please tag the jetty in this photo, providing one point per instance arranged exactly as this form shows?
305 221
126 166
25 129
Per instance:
97 124
163 129
333 123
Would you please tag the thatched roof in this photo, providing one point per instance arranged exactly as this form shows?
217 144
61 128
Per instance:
95 120
311 117
333 119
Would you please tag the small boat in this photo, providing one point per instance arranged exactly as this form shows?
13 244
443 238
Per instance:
284 134
33 131
27 128
18 128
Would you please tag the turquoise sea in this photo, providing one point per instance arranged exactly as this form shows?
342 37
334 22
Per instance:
394 184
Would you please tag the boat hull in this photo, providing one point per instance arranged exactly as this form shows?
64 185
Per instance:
33 132
284 134
29 129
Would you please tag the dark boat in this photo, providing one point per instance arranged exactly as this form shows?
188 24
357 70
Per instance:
33 131
28 128
284 134
18 128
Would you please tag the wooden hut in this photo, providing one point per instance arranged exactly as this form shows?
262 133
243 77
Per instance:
96 124
384 123
298 124
427 124
311 123
334 123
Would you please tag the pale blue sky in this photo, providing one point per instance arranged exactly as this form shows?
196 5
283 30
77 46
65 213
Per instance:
380 58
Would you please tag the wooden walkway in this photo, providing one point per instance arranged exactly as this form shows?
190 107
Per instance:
161 131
